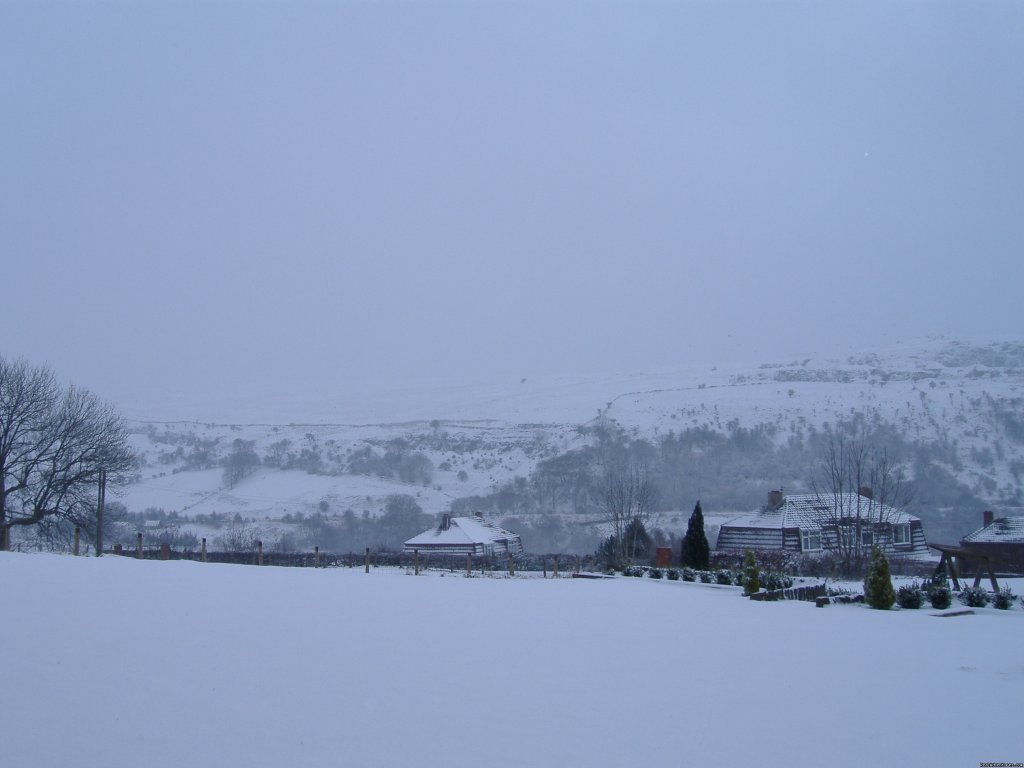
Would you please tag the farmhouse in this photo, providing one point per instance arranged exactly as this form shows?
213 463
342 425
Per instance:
1001 540
465 536
812 524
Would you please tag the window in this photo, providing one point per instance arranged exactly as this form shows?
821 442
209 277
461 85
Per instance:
867 537
810 540
901 533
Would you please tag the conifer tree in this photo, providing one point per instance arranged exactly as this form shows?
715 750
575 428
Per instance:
751 576
695 551
878 591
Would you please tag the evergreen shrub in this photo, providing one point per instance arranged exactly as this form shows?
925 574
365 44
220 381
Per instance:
1003 599
723 577
705 577
878 591
751 576
673 574
910 596
939 596
655 573
974 597
689 574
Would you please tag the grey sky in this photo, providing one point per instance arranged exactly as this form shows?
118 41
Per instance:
203 195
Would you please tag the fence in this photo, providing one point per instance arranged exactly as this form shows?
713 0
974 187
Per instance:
809 594
554 565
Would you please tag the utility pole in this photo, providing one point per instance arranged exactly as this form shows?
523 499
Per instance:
101 499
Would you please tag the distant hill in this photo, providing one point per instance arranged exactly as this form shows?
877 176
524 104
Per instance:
525 450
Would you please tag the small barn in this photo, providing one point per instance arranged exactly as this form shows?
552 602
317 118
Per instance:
465 536
809 524
1001 539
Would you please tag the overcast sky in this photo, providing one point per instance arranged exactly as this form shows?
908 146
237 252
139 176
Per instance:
202 196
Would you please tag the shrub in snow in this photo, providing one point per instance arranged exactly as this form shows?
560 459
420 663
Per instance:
705 577
878 591
723 577
910 596
974 597
655 573
939 596
1003 599
737 577
689 574
751 576
775 580
673 574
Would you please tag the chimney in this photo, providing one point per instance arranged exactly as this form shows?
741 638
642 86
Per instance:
446 521
775 499
866 491
987 517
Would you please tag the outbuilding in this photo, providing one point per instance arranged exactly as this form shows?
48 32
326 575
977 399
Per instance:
1001 539
466 536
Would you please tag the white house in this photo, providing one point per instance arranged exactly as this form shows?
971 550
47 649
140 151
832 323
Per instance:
465 535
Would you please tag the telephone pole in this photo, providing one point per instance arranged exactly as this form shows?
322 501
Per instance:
101 499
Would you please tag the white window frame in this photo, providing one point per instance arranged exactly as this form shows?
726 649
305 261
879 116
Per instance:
867 537
806 535
904 528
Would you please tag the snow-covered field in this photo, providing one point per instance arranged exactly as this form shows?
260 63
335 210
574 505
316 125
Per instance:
117 662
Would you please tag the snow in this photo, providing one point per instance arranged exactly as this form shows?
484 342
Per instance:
1003 530
118 662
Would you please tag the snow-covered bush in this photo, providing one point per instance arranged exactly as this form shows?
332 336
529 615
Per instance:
910 596
974 597
655 573
939 596
774 580
689 574
673 574
705 577
723 577
1003 599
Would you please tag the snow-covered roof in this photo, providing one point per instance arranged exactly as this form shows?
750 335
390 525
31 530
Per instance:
463 530
808 510
1002 530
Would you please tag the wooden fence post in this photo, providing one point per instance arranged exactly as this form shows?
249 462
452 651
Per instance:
555 574
544 560
316 557
138 545
469 563
367 560
259 552
416 561
78 535
203 553
511 565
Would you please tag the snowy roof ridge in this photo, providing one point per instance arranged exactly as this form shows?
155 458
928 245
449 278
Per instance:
809 510
463 530
1001 530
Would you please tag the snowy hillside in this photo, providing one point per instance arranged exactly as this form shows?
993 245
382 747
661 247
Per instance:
954 410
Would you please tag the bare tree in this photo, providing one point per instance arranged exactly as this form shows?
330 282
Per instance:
54 442
858 490
627 497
